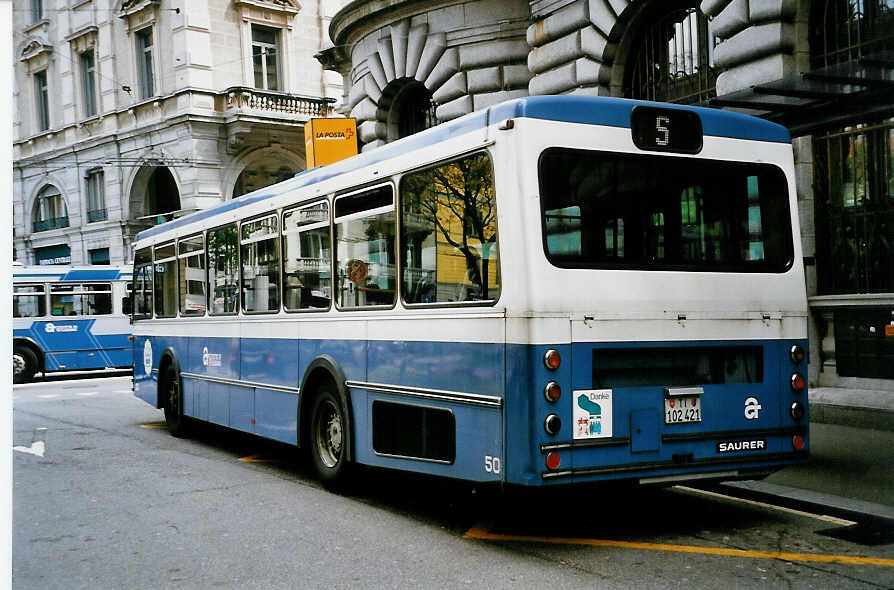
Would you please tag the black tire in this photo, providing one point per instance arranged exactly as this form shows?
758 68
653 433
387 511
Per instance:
328 440
24 364
172 390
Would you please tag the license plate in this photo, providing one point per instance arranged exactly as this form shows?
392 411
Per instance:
679 410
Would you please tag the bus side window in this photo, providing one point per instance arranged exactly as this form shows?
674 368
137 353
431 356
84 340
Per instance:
260 265
364 239
142 284
449 233
306 257
126 305
28 301
97 299
223 269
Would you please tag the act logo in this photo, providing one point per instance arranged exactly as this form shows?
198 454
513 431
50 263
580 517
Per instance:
147 357
752 408
51 328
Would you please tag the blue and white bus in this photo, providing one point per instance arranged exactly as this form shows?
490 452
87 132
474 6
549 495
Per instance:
69 318
554 290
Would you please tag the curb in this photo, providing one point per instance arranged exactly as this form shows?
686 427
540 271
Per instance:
853 416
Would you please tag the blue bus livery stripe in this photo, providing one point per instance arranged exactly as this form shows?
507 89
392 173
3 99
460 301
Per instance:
613 112
91 275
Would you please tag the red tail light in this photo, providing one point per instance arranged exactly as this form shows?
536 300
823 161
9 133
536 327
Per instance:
553 461
552 359
798 442
552 391
798 382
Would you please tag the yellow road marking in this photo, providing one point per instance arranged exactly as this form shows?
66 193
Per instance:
822 517
479 532
257 459
153 425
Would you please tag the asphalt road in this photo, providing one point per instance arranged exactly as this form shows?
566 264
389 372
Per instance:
104 497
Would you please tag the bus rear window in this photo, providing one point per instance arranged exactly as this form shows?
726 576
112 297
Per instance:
648 212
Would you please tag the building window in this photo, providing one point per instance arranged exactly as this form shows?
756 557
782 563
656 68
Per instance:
673 60
88 82
99 256
845 30
265 57
42 96
96 199
144 62
36 11
49 210
854 184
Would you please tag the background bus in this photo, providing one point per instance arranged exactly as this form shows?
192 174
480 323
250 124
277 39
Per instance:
554 290
69 318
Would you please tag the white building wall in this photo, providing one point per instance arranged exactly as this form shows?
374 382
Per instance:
191 125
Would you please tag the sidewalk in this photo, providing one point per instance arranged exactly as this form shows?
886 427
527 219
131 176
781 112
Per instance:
851 467
860 408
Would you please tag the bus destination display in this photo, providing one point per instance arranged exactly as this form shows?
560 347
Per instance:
666 130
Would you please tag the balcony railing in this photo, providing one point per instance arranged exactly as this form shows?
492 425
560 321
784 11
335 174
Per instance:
97 215
48 224
241 99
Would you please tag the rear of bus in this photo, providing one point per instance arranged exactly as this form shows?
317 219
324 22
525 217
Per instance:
656 309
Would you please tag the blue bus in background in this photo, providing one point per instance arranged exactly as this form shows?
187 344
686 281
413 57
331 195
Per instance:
68 318
555 290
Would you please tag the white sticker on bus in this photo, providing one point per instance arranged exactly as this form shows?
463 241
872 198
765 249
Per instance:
592 413
147 357
210 359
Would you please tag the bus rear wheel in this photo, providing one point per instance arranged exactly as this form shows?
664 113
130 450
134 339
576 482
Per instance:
328 441
24 364
173 403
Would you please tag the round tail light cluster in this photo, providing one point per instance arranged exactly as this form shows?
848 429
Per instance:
552 392
798 442
553 460
552 424
552 359
798 382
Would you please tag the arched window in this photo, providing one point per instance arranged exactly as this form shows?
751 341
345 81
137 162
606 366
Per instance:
409 106
673 59
845 30
50 211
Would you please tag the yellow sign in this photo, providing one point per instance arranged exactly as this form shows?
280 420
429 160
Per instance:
329 140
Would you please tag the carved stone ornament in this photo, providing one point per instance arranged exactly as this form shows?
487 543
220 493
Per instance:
286 6
129 7
35 48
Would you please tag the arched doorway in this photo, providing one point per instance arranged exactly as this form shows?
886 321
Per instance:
154 194
260 175
262 167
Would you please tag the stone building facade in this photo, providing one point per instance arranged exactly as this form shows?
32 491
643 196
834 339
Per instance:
822 68
131 112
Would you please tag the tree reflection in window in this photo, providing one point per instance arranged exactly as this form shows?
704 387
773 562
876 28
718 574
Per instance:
449 233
